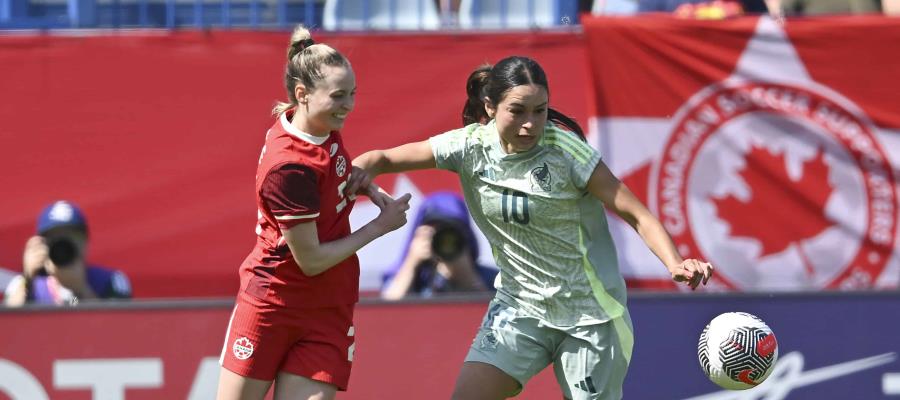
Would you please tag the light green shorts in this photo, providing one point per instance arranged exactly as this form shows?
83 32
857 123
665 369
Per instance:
589 361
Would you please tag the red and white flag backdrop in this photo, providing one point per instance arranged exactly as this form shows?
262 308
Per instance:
769 148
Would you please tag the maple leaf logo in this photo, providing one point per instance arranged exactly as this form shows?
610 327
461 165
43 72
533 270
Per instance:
781 211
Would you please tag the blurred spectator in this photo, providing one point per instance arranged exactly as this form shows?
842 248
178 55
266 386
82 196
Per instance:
441 254
704 9
701 9
820 7
5 277
54 267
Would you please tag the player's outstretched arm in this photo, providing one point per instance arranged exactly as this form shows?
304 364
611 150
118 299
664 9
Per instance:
407 157
618 198
314 257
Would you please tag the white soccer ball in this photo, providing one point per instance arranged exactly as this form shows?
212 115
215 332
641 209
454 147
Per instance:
737 350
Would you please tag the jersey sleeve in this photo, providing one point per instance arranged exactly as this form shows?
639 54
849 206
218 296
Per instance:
291 193
449 148
584 158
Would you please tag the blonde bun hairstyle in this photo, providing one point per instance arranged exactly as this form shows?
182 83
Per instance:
305 59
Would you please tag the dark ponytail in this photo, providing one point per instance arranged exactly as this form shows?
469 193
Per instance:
494 82
473 111
565 121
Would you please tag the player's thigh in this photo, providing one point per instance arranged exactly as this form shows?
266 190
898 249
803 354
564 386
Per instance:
592 361
325 352
257 340
294 387
236 387
517 346
480 381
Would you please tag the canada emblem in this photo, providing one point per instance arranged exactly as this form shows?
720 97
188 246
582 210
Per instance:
242 348
779 183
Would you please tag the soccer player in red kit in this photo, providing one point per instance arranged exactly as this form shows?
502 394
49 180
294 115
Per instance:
293 319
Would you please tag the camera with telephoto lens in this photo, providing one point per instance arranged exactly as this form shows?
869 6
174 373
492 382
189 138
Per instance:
448 241
62 251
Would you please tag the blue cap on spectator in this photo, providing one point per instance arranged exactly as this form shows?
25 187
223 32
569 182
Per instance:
60 213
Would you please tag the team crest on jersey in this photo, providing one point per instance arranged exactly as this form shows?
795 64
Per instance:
541 178
242 348
333 150
340 166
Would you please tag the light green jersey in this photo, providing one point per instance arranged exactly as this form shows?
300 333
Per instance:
549 236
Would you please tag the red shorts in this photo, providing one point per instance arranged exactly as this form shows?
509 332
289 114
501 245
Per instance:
264 339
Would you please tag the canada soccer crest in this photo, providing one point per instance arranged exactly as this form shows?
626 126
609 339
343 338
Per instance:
242 348
779 185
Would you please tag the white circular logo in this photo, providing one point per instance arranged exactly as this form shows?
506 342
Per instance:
341 166
242 348
808 168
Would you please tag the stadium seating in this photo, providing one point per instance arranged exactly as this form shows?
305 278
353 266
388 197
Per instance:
508 14
614 7
332 15
381 15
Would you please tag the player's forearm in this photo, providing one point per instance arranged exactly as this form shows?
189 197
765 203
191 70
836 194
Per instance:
326 255
408 157
372 161
627 206
658 240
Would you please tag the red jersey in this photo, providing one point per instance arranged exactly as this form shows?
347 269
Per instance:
300 178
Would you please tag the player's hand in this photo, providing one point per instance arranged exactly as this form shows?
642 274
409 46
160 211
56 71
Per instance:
378 196
36 255
393 214
358 182
692 272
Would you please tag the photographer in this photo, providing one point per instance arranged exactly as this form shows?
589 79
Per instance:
54 269
441 254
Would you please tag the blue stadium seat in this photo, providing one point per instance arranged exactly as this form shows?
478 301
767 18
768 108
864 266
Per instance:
515 14
615 7
381 15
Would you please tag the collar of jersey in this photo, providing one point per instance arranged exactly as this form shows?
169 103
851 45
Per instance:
291 129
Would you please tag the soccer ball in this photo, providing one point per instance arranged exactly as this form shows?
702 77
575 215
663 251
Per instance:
737 350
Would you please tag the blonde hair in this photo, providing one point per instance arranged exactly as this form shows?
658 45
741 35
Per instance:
305 59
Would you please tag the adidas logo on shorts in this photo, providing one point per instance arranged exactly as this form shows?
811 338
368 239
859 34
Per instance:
587 385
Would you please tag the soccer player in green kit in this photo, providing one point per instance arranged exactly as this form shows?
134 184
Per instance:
537 191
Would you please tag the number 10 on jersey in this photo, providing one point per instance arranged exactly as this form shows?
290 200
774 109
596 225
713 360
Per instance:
517 202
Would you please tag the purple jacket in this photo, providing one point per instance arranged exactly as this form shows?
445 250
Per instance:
445 206
106 283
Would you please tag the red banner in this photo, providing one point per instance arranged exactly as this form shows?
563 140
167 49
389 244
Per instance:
157 136
411 351
769 148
